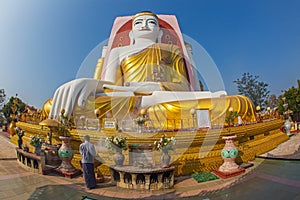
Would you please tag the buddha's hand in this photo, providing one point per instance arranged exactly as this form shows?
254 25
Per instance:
76 91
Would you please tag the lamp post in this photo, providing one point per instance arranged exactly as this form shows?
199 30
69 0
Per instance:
13 116
193 111
287 124
83 119
258 114
269 112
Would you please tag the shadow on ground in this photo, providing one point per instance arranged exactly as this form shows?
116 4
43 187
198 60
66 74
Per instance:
65 192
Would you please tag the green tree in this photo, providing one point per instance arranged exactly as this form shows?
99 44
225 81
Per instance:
292 96
257 91
272 101
8 107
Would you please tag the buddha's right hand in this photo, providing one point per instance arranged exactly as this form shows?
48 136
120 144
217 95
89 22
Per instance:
76 91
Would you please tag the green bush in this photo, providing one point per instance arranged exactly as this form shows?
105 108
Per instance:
204 176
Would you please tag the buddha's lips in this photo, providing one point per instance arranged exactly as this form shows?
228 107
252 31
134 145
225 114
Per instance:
145 29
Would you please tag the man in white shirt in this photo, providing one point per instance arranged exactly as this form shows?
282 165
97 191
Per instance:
88 152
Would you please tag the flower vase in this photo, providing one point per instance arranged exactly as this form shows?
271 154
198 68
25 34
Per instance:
229 154
165 158
65 153
119 158
287 127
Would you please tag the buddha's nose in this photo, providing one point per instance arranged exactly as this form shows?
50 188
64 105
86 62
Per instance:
144 24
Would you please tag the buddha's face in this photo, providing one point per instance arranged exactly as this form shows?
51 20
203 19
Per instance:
145 26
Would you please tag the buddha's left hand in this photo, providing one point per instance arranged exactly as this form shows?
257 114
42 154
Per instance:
76 91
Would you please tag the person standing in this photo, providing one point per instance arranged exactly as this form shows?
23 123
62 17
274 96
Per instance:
88 152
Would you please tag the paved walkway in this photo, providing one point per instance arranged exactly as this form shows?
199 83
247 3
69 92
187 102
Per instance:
287 150
17 183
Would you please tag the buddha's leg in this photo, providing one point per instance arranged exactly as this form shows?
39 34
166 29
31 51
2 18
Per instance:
243 106
46 109
107 106
172 115
120 108
177 114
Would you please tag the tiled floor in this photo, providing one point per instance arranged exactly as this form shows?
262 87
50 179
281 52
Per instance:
287 150
268 179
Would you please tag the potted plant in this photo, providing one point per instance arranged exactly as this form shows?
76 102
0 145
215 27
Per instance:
165 144
231 115
36 141
25 148
20 134
117 143
141 119
65 125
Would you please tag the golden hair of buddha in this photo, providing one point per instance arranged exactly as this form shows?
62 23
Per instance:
144 13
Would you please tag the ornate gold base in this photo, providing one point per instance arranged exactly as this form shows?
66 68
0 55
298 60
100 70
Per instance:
203 154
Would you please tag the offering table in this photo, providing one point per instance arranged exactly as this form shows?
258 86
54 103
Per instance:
138 178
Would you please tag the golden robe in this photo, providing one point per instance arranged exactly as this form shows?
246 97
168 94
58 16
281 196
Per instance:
163 63
160 63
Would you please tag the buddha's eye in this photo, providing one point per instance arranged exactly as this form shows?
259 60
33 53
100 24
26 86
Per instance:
137 22
152 22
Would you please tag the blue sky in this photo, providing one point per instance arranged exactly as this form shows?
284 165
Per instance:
43 43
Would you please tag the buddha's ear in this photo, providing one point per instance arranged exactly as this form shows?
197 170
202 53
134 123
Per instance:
160 34
130 34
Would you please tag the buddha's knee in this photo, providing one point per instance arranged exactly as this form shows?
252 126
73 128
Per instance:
46 108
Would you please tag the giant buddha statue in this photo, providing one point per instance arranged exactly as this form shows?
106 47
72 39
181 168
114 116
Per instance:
145 66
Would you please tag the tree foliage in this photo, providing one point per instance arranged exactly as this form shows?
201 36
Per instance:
272 101
292 96
7 108
254 89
